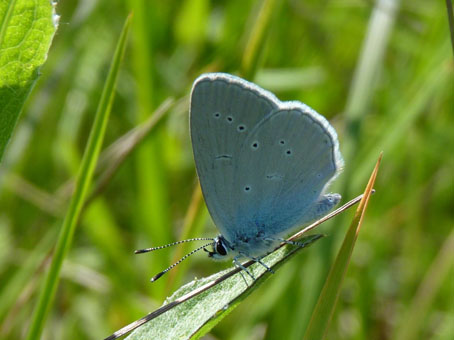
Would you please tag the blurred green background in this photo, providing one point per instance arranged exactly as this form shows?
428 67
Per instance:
382 73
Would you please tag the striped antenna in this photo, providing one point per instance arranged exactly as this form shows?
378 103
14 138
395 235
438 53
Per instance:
141 251
157 276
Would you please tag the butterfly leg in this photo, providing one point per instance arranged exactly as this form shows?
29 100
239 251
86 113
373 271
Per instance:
263 264
293 243
258 260
239 265
244 279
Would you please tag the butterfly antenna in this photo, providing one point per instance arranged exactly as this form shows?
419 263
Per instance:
157 276
141 251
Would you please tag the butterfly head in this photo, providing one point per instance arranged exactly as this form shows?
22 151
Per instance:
221 249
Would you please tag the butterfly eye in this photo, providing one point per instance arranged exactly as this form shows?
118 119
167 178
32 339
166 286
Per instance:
216 115
220 249
255 145
229 119
288 152
247 188
282 142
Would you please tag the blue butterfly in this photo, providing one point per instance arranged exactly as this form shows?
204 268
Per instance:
264 165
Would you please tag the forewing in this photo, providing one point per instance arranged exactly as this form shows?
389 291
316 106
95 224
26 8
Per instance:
224 111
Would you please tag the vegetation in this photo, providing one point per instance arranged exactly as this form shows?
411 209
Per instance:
381 72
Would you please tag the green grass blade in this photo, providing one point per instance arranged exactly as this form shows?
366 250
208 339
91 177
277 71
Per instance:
372 54
326 304
256 39
26 32
82 185
12 288
365 78
191 21
192 225
450 21
151 172
434 77
411 327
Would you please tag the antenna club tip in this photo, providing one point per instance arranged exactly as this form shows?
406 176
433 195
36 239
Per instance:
141 251
157 276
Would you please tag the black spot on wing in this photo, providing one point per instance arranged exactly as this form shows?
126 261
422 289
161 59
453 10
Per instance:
220 157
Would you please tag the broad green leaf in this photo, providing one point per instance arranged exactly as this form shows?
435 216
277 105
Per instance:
196 316
26 32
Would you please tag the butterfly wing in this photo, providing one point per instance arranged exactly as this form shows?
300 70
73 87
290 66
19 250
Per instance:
284 167
224 110
263 165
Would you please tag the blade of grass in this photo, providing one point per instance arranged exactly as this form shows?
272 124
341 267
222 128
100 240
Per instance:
410 326
153 220
109 162
82 185
117 153
372 54
12 288
195 213
450 21
113 156
433 77
323 312
362 90
29 192
365 80
256 39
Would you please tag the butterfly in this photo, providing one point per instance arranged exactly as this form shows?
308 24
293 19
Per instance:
264 165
